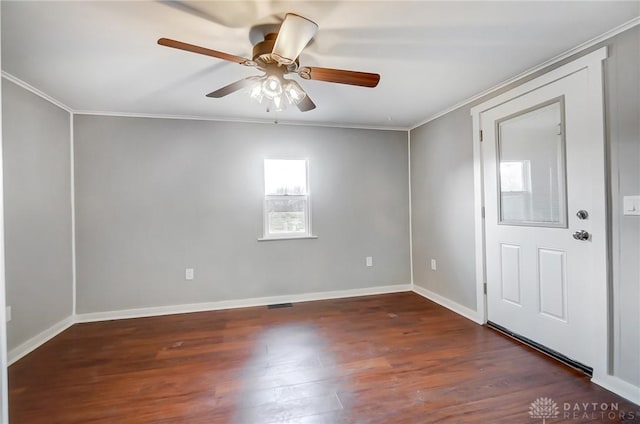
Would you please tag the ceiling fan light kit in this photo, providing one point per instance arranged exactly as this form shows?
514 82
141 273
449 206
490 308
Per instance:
277 55
275 91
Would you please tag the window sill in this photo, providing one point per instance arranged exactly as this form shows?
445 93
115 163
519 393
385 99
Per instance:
287 238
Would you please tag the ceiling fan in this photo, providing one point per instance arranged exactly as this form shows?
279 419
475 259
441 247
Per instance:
277 55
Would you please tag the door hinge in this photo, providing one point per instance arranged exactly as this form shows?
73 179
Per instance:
485 287
482 212
481 136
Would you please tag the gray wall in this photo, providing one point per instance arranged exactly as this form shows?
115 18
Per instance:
442 199
4 399
622 70
37 202
154 196
442 207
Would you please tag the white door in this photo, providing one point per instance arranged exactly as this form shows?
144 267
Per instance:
543 181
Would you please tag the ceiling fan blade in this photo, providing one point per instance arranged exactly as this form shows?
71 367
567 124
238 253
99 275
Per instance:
295 33
207 52
341 76
306 104
233 87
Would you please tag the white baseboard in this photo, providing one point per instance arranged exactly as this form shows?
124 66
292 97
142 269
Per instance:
449 304
609 382
239 303
618 386
38 340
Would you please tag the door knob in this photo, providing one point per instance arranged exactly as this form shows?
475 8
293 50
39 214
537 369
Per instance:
582 214
581 235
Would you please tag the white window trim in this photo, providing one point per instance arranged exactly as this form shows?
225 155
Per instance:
288 238
307 212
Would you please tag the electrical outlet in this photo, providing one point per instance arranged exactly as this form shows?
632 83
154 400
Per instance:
433 264
8 313
369 260
188 274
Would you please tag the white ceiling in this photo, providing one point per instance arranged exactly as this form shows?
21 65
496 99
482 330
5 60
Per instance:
103 57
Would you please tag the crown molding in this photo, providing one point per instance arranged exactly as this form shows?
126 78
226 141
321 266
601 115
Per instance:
17 81
575 50
239 120
590 43
53 100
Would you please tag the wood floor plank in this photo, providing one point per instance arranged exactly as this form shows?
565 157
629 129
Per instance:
387 359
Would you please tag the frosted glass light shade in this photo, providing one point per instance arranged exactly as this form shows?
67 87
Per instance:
272 86
294 92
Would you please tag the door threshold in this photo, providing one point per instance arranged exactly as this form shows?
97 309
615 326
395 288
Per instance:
541 348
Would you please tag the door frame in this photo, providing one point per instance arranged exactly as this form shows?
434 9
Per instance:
595 108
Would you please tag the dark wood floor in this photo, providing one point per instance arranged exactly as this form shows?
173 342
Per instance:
385 359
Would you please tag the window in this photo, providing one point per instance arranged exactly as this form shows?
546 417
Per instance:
532 168
515 176
286 199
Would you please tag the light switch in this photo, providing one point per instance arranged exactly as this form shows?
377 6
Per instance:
631 205
369 260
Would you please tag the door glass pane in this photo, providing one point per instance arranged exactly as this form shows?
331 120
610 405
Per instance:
532 167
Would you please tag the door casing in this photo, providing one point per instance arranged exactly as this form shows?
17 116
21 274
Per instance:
593 63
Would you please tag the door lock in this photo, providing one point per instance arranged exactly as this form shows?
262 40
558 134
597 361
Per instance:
582 214
581 235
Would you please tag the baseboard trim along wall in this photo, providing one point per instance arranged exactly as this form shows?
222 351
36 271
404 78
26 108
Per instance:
449 304
619 387
238 303
609 382
39 339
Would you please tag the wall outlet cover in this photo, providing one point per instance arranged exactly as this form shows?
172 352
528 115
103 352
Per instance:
188 274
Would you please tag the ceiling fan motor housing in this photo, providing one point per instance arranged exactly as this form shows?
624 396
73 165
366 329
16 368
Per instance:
262 53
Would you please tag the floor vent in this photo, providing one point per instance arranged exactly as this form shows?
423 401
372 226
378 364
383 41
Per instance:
280 305
537 346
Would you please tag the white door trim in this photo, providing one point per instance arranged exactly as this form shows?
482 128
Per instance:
593 62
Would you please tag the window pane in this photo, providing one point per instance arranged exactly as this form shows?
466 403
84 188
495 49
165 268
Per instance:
532 168
515 176
286 216
285 176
